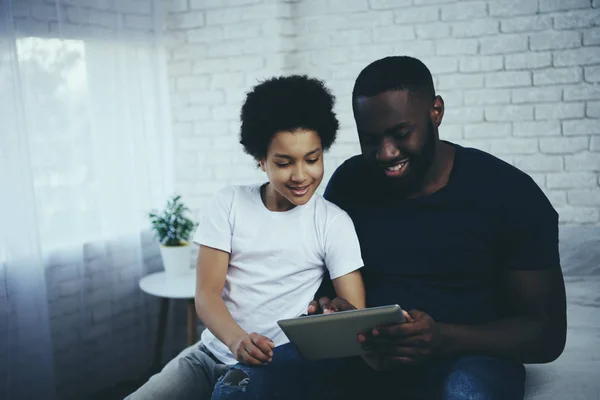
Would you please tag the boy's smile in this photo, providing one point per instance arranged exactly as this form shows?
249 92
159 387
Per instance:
299 191
294 165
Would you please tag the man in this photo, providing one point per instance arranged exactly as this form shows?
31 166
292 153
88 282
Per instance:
465 241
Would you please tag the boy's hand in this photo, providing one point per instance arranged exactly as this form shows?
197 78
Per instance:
253 349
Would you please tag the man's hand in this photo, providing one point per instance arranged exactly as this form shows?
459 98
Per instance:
253 349
413 342
325 306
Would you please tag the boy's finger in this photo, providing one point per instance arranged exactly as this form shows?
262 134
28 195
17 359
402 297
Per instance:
250 359
257 338
256 352
264 344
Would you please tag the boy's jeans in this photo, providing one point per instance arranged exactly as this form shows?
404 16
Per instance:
190 377
290 377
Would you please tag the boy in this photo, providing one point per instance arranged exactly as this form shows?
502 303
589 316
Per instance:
264 249
271 243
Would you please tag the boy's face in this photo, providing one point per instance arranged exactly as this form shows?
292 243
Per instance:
294 165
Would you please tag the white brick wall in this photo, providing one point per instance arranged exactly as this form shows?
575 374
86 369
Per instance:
519 78
83 18
217 51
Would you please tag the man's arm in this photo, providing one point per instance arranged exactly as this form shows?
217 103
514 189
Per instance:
536 335
534 290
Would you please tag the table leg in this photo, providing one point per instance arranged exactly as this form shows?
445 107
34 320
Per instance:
160 333
191 311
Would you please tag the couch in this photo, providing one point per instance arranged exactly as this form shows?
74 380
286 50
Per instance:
575 375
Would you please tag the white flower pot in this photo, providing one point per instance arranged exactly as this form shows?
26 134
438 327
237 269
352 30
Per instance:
176 259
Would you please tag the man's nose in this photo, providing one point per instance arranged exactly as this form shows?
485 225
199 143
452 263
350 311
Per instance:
387 150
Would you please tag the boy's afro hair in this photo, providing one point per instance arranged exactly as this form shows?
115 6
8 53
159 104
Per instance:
286 103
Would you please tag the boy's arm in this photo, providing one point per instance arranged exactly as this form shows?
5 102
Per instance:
350 287
211 272
343 260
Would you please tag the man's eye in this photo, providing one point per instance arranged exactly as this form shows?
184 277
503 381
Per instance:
400 135
312 161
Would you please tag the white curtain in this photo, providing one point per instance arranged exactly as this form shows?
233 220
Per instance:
85 153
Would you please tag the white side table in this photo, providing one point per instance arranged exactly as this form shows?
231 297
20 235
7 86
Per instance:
169 287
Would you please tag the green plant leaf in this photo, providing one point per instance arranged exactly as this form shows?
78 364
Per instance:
172 226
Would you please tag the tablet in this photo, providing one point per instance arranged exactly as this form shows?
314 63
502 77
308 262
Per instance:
335 335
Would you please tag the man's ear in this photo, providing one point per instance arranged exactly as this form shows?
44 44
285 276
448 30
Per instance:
437 111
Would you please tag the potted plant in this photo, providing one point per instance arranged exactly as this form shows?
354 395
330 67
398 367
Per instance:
173 229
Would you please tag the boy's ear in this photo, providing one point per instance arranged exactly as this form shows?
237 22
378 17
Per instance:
261 164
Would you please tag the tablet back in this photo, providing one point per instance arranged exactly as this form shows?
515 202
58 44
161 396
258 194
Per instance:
335 335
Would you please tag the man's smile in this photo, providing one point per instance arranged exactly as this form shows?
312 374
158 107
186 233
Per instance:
396 169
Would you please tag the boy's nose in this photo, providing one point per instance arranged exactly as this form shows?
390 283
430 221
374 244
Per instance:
298 175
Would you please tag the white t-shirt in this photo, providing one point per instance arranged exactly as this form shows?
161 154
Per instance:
277 259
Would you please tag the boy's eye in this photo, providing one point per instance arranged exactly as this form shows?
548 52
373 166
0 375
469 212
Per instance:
312 161
282 165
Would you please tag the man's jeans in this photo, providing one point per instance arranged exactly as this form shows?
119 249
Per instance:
190 377
290 377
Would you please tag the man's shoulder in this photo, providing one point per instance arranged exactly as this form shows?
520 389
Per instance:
349 180
354 164
497 172
498 180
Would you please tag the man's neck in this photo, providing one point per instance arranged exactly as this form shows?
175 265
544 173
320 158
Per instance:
439 172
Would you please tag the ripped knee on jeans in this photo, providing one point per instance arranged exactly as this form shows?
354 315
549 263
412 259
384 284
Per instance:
236 378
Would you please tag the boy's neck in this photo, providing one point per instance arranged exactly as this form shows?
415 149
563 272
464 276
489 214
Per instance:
273 200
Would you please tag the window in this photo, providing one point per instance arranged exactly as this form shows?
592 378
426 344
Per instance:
87 134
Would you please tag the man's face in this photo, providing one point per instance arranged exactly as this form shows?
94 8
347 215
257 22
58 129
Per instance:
398 133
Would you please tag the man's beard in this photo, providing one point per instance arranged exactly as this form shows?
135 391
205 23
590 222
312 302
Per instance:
419 166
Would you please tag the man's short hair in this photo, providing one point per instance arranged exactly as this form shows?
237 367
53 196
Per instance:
394 73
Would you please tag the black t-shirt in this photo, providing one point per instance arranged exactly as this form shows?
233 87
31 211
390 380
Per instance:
448 253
